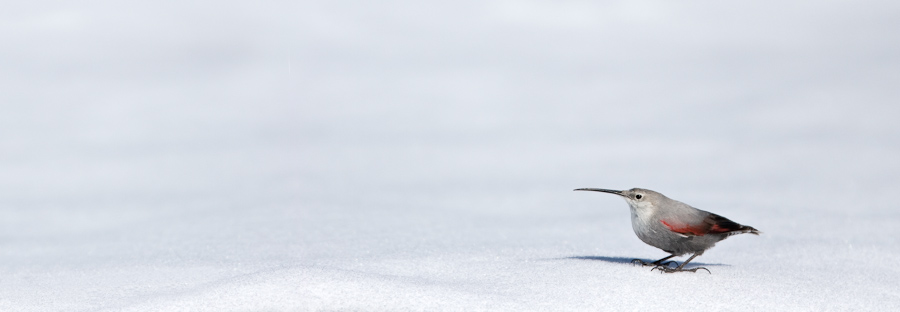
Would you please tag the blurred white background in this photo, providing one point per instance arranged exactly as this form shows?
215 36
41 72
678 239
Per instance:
332 154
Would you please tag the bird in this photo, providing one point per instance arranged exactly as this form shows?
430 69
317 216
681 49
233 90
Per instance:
675 227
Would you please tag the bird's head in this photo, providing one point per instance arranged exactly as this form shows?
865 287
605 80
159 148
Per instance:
637 198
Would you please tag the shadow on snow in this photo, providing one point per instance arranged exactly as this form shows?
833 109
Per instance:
628 260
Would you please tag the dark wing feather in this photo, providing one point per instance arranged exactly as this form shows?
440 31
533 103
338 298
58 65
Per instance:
719 224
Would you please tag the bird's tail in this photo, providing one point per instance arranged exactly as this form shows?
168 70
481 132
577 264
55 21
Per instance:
745 229
753 230
721 224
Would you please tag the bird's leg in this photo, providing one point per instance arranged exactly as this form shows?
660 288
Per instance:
680 268
655 263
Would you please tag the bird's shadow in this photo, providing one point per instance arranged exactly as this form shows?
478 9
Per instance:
628 260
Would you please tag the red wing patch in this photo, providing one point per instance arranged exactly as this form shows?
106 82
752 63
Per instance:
687 229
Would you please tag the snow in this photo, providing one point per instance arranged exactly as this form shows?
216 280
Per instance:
392 156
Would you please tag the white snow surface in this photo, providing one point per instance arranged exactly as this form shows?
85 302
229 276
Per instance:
421 156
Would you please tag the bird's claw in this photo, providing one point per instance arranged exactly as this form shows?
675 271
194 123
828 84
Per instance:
639 261
666 269
667 263
642 263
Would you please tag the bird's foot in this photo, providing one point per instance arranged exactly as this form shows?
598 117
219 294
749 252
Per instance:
655 264
667 269
639 261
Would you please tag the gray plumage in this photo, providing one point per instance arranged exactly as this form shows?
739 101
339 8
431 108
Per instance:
673 226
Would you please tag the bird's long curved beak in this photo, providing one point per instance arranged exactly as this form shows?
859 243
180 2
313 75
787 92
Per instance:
601 190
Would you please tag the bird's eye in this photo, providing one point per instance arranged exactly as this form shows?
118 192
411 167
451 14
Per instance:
638 196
